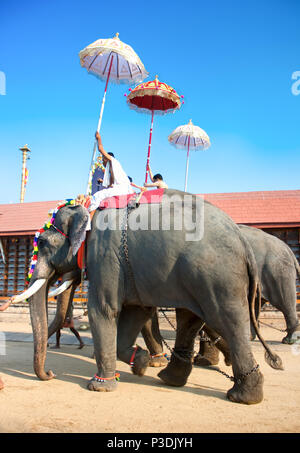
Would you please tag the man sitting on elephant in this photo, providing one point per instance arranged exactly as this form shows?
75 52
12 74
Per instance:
115 181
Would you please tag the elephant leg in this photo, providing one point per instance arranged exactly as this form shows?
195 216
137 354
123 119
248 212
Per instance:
235 328
153 340
103 313
209 349
285 301
181 363
208 354
131 321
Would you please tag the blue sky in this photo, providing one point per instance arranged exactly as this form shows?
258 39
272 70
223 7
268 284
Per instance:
233 61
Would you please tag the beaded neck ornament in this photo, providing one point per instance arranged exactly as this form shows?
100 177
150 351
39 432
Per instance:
39 232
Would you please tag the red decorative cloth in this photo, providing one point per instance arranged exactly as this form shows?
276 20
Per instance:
81 251
80 255
121 201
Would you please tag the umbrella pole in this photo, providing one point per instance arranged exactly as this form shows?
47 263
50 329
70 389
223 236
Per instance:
149 147
187 165
88 190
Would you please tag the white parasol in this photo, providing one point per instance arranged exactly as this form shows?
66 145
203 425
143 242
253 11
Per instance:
111 59
189 137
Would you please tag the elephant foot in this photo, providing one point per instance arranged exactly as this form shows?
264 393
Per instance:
139 361
208 356
176 373
81 345
158 360
292 338
200 360
288 340
249 390
98 384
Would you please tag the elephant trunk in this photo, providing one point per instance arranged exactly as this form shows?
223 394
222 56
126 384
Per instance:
38 314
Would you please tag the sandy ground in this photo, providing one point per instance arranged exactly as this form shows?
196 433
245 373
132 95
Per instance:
28 405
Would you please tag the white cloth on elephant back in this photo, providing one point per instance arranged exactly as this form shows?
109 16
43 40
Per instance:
121 185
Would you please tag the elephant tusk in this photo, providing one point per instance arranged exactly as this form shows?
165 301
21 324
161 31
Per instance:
30 291
63 287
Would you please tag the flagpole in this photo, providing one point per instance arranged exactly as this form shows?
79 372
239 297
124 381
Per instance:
25 150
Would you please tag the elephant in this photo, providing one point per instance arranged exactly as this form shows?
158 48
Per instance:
131 271
277 269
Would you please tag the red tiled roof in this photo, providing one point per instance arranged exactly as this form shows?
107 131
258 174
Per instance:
24 218
278 208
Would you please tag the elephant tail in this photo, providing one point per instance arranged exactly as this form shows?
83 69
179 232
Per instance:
254 299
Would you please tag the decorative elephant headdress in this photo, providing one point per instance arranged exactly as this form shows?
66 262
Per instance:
76 235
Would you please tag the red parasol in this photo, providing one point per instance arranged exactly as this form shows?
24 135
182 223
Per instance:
153 97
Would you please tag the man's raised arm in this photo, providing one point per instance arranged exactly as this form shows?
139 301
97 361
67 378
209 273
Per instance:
100 147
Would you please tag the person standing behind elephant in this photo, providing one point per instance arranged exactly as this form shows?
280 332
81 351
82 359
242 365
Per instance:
68 323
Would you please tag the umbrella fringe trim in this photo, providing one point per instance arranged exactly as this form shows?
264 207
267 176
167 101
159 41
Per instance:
125 81
156 112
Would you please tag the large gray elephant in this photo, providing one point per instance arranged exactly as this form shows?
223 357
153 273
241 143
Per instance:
130 271
277 270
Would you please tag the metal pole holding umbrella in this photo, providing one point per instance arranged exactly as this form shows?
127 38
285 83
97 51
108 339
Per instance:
189 137
149 147
187 164
153 97
110 60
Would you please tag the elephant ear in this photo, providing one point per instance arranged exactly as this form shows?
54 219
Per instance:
80 223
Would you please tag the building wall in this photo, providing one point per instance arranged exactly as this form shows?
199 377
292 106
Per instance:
290 236
13 272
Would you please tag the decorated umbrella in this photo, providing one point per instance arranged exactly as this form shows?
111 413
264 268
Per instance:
111 59
153 97
189 137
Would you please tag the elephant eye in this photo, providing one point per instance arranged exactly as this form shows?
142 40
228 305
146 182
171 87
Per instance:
41 242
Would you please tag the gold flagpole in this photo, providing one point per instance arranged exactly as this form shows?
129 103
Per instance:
25 150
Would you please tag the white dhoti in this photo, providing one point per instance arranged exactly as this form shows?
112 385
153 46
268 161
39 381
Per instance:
121 184
117 189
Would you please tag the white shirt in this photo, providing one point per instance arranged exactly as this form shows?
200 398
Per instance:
120 177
